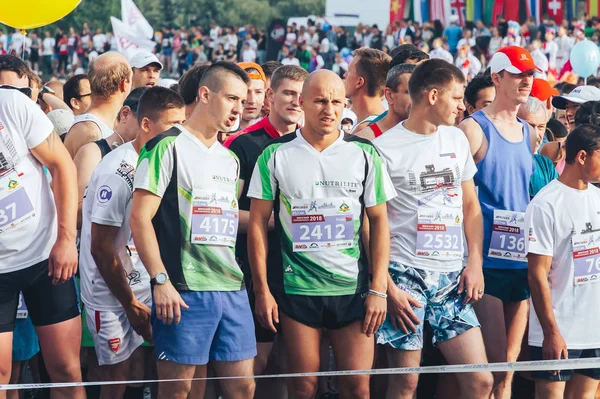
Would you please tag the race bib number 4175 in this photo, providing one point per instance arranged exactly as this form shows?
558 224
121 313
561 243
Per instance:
215 218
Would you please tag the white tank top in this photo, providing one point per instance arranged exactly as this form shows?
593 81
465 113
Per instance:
106 131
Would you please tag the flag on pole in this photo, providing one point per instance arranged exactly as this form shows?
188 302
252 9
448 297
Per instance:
512 13
488 7
129 41
416 11
470 9
498 9
396 10
458 9
132 16
536 10
570 9
591 7
555 10
477 10
425 10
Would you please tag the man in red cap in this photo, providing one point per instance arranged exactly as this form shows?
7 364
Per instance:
502 147
542 90
256 94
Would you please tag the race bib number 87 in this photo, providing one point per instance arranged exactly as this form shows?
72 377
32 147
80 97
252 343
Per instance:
15 207
323 224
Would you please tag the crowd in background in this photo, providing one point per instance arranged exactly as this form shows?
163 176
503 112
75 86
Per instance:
67 52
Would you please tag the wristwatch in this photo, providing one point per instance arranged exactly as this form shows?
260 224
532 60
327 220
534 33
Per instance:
160 279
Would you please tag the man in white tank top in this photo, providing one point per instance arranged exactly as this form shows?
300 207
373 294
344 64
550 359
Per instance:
110 82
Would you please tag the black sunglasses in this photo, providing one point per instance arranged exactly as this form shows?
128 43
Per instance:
25 90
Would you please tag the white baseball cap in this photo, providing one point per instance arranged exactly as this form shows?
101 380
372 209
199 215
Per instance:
578 95
143 58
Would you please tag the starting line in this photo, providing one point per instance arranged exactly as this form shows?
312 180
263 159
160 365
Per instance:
542 365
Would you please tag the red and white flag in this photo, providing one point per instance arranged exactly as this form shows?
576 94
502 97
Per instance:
129 41
440 9
458 8
555 10
132 16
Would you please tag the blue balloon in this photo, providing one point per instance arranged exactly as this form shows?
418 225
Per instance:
585 58
345 52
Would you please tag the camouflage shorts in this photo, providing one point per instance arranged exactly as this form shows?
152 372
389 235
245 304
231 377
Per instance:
442 307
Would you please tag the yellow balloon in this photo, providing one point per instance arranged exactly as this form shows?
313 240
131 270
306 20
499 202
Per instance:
29 14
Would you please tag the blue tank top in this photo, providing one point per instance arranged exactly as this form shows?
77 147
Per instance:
502 180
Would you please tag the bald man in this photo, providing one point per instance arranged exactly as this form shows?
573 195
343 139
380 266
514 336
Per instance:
110 82
323 283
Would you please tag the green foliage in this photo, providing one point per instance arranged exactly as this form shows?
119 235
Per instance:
176 13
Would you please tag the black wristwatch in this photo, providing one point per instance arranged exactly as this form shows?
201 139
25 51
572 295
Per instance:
160 279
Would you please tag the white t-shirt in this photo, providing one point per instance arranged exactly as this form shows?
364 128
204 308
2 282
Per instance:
25 196
552 217
107 201
290 61
99 41
48 46
427 172
17 42
4 41
248 55
214 37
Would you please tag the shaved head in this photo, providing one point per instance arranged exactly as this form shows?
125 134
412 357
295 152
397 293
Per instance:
323 99
216 74
322 77
107 72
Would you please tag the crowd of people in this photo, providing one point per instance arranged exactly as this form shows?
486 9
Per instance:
389 207
318 45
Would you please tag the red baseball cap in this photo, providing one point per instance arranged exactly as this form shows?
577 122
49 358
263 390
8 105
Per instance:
542 90
512 59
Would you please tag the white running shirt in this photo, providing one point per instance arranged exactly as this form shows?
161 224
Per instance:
107 201
552 218
27 211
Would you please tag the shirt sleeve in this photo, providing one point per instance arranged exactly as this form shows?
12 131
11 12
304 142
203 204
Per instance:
263 184
237 147
378 185
469 169
539 226
155 166
110 204
33 124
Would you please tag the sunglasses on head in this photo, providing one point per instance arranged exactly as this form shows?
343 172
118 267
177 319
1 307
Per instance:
25 90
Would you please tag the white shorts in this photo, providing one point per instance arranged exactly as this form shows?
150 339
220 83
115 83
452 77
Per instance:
114 338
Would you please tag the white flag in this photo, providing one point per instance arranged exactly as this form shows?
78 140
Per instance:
129 41
132 16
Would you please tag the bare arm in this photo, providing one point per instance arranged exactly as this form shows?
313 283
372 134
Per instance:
80 135
553 346
472 277
52 154
54 102
109 263
379 247
474 135
86 160
167 300
539 268
266 308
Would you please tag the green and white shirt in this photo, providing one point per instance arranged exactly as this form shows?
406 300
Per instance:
320 198
196 222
